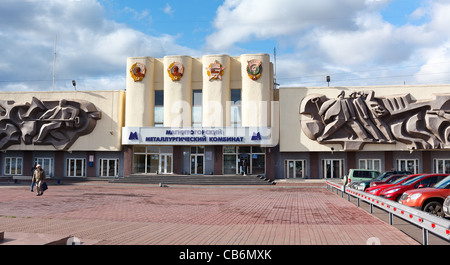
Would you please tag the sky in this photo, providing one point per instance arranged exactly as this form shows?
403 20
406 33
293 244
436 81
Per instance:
355 42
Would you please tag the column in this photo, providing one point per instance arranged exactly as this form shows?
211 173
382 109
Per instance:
216 89
177 91
256 90
140 92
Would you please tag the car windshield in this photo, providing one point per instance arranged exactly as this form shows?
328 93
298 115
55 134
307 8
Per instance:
443 184
412 180
400 180
382 176
394 178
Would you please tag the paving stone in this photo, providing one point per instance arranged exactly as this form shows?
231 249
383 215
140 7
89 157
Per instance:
131 214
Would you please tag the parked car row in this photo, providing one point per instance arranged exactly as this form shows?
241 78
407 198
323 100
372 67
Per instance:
426 192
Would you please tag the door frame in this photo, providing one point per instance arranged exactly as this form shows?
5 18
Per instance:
195 157
163 158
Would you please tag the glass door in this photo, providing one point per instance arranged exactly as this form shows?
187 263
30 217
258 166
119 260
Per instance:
197 167
230 164
109 167
295 168
76 167
333 168
165 164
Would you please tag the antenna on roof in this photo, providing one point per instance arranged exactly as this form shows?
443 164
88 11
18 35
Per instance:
275 84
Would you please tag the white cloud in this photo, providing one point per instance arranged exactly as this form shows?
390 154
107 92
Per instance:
242 20
88 45
324 36
168 10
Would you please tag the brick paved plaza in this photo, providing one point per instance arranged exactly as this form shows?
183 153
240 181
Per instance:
120 214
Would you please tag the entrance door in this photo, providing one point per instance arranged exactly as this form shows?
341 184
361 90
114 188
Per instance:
197 167
165 164
333 168
109 167
295 168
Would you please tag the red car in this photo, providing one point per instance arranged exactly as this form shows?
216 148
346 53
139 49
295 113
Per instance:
426 180
387 180
376 190
429 200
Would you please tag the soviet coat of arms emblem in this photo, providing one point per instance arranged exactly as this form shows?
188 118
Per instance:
215 70
175 71
137 71
254 69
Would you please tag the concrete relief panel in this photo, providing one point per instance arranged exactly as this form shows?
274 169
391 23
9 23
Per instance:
57 123
362 118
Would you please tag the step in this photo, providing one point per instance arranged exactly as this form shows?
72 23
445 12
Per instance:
195 179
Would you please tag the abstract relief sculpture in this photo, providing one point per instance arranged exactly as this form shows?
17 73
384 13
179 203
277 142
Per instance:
57 123
363 118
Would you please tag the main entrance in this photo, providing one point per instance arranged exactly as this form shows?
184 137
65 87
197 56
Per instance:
197 160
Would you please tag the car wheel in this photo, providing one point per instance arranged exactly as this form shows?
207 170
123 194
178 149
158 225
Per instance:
434 208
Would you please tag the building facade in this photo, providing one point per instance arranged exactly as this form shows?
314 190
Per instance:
71 134
211 115
332 130
221 115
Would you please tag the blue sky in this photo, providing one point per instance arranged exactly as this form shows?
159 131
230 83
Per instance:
356 42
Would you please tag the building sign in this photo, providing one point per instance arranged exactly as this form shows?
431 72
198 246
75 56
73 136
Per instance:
198 136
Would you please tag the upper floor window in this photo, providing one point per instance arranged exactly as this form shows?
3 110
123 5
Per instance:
235 108
197 107
159 108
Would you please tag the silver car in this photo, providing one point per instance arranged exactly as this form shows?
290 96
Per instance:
446 206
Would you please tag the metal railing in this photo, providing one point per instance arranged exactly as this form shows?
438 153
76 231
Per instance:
427 222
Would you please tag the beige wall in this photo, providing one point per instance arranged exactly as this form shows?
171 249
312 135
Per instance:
107 134
292 139
256 95
139 93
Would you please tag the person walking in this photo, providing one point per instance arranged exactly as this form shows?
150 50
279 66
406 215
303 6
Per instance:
32 174
39 178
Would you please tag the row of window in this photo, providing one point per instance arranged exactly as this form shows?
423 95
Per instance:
334 168
75 167
197 100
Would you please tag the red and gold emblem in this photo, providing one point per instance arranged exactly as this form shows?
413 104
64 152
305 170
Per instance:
175 71
137 71
254 69
215 70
